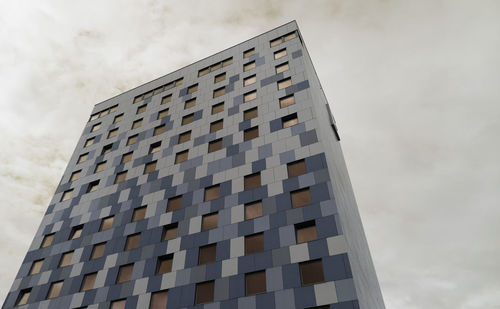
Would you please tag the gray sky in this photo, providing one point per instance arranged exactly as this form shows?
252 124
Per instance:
414 87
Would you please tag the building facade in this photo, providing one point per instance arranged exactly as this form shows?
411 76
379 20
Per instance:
220 185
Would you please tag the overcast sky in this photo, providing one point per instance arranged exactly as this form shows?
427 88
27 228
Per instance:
413 85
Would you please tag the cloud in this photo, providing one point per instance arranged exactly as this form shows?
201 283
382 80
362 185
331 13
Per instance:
413 86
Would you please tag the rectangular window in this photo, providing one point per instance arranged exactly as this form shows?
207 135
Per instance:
296 168
96 127
155 147
255 282
164 264
92 186
207 254
126 157
150 167
249 96
212 193
190 103
249 52
178 82
289 120
166 99
187 119
181 156
249 80
98 250
159 130
66 195
132 241
219 91
282 67
82 158
55 289
252 181
132 140
106 149
305 231
149 94
88 282
141 109
300 197
290 36
125 273
192 89
249 66
76 232
250 113
311 272
253 210
251 133
276 42
209 221
75 175
203 71
107 223
216 125
94 117
215 67
118 304
254 243
159 300
66 259
100 167
47 240
227 62
169 232
120 177
89 142
220 77
23 297
136 124
163 113
184 137
139 214
118 118
280 53
104 113
217 108
215 145
287 101
174 203
284 38
284 83
36 267
205 292
158 90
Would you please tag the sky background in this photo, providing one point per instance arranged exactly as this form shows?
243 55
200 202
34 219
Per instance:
414 87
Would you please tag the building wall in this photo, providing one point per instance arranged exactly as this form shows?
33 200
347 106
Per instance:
349 278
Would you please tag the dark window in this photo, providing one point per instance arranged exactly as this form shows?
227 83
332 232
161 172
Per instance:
47 240
139 214
211 193
55 289
76 232
150 167
164 264
305 231
159 130
181 156
118 118
184 137
216 125
251 133
192 88
254 243
219 78
66 259
205 292
300 197
126 158
289 120
215 145
296 168
125 273
217 108
209 221
250 114
255 282
106 149
166 99
219 91
190 103
174 203
187 119
120 177
159 300
163 113
22 299
141 109
106 223
169 232
155 147
253 210
98 251
132 241
207 254
252 181
311 272
248 53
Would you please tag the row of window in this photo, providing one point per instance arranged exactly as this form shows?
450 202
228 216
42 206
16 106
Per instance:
158 90
215 66
104 112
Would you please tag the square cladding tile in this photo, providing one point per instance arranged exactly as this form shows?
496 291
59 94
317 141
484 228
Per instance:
162 242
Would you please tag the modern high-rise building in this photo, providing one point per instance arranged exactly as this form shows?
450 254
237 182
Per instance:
220 185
